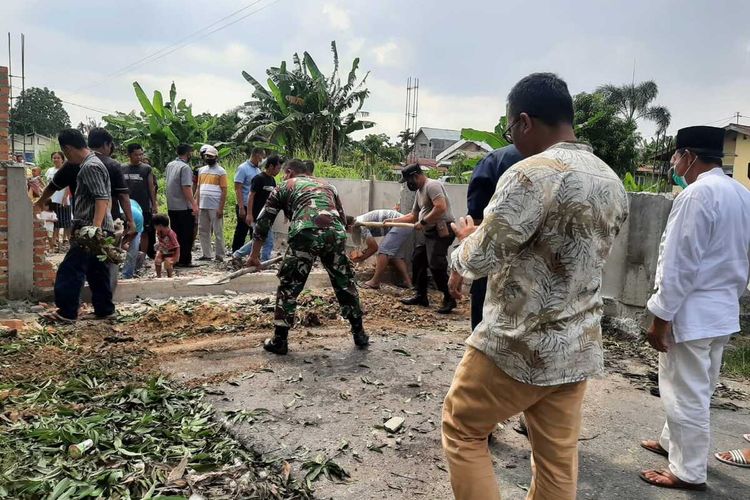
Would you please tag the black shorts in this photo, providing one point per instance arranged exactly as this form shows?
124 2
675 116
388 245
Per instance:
64 215
147 216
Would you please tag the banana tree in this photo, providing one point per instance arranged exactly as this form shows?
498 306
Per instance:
493 139
303 110
161 126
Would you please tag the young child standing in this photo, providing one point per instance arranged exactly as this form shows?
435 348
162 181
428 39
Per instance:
49 218
168 251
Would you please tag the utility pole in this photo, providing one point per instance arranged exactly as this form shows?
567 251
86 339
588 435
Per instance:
11 76
10 98
23 84
737 116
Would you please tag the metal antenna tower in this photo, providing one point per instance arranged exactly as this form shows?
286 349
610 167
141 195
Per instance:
412 105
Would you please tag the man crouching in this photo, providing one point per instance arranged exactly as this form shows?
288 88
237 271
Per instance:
316 230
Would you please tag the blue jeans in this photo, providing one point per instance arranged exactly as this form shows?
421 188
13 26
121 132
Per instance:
128 268
77 267
265 252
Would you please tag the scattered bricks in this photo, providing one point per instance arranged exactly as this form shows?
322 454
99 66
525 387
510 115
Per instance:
13 324
394 424
6 332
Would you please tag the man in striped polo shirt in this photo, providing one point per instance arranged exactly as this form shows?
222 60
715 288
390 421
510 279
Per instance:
91 208
211 195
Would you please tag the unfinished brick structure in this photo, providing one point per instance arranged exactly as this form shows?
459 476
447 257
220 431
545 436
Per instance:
24 270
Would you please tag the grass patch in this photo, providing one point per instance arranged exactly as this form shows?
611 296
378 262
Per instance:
737 357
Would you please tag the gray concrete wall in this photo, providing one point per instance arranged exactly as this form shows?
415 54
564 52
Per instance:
629 273
20 235
386 195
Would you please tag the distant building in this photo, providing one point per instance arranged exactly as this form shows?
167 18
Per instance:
737 152
32 144
430 142
462 148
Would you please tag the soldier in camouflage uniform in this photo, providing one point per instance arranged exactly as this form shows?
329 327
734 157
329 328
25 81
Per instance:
316 231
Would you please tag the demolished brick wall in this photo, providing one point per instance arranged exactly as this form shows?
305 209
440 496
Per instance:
43 271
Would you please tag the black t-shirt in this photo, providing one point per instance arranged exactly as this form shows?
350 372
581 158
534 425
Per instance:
137 180
262 185
66 178
116 181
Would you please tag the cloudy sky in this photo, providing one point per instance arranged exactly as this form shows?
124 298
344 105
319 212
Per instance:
466 54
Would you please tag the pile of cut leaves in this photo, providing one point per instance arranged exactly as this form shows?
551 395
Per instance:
139 437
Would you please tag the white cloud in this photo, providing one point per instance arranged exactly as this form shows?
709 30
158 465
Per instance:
386 54
338 17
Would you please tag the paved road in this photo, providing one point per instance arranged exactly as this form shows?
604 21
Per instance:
325 396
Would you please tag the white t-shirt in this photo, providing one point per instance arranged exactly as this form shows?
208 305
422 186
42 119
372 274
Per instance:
59 195
49 219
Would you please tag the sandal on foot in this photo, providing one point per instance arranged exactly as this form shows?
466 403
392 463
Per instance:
94 317
658 449
56 317
371 287
737 459
675 484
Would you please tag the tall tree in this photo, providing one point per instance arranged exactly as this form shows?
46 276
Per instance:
633 102
613 138
303 110
378 147
38 110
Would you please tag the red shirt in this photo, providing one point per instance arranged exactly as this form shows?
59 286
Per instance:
168 242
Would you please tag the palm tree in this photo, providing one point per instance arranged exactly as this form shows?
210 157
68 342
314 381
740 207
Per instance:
302 110
633 102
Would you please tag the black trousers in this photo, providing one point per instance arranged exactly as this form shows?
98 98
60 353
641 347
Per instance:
77 267
477 292
183 224
431 253
240 232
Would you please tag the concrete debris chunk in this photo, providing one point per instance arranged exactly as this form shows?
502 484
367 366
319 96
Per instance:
621 328
394 424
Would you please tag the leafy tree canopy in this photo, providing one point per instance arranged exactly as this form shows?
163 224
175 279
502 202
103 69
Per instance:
612 137
302 110
38 110
161 126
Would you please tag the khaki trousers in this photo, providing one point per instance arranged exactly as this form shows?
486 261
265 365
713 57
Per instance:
209 222
482 395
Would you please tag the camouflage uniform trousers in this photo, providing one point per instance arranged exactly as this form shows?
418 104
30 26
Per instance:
304 248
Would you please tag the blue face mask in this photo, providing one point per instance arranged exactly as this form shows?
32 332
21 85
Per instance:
680 179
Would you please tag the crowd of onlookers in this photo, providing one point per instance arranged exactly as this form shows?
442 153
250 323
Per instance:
196 195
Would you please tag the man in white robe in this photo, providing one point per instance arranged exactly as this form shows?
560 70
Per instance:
702 271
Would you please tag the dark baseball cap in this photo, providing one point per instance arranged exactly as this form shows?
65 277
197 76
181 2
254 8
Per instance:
410 171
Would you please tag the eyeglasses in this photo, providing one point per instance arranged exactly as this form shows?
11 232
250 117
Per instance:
506 133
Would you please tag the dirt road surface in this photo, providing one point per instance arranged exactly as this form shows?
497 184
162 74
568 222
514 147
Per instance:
326 397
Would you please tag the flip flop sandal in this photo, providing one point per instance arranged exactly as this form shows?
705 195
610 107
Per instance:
658 449
365 285
746 437
94 317
678 485
738 459
56 317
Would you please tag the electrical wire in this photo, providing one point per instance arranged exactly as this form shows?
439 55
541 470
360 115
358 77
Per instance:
720 120
73 104
183 42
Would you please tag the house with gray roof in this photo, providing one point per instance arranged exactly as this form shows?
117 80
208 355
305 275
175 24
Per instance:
430 142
